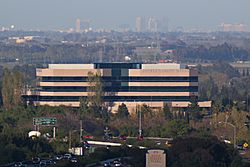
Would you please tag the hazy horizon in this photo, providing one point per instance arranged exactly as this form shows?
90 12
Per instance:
61 14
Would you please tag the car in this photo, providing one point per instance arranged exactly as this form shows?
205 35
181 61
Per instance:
239 147
108 137
106 164
67 156
23 165
50 162
18 164
122 137
42 163
73 160
158 143
227 141
27 163
88 137
86 144
139 138
58 157
36 160
117 163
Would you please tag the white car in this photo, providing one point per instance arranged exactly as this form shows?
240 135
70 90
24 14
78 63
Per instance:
67 156
117 163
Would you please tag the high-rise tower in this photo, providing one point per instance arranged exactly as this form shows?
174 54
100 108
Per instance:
152 24
78 25
138 24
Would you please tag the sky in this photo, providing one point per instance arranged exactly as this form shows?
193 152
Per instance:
61 14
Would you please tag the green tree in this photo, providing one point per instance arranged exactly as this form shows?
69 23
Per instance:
95 94
122 111
193 109
167 112
205 152
145 110
7 89
12 86
83 108
18 84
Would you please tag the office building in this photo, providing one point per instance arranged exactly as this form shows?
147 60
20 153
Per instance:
152 24
78 25
129 83
233 27
138 24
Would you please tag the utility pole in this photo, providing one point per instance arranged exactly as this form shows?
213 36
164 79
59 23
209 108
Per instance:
81 131
247 102
140 126
70 139
234 131
54 132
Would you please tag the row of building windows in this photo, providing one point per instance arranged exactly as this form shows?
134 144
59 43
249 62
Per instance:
123 89
117 65
123 79
115 98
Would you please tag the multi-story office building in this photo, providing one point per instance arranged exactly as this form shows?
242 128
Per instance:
78 25
129 83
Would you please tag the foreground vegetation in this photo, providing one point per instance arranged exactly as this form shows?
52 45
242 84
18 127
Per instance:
195 131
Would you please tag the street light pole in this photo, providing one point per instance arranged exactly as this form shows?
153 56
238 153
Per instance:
81 131
140 130
229 95
234 135
247 102
70 137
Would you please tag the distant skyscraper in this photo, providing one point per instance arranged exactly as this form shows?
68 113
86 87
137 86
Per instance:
163 25
78 25
152 24
86 25
233 27
138 24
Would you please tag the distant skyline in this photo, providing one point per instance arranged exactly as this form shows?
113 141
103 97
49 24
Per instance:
108 14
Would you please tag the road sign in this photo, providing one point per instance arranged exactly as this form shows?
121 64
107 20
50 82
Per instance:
156 158
245 145
45 121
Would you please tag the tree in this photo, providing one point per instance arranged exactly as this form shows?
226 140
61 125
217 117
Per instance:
95 93
206 152
122 111
7 89
193 109
84 108
145 110
167 112
17 88
12 89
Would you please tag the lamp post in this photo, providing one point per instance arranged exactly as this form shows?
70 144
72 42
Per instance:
234 133
230 98
247 102
229 95
70 137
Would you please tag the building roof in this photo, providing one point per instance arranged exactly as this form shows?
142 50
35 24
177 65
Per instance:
117 65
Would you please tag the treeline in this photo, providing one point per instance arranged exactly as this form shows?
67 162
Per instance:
13 83
166 122
62 53
223 84
36 53
223 52
16 147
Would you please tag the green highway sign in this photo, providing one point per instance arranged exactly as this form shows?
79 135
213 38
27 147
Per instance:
45 121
